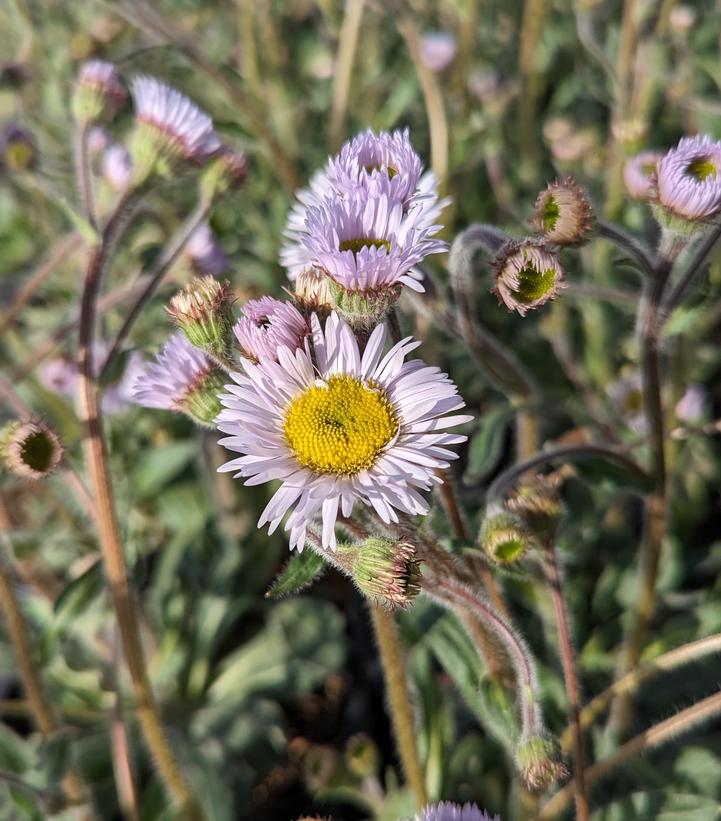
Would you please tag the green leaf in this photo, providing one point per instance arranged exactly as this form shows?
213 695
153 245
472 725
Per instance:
486 444
300 572
78 594
159 465
658 805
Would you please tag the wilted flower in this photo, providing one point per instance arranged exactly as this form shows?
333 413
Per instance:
98 92
446 811
17 147
437 50
30 450
538 763
169 128
688 179
205 252
387 572
267 324
638 174
203 312
563 213
526 275
181 379
117 166
504 538
349 428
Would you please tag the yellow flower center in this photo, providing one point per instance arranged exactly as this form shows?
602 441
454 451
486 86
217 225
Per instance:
363 242
339 427
701 168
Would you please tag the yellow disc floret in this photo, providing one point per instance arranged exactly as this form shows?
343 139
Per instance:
339 427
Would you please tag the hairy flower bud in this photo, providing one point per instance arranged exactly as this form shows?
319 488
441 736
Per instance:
505 538
563 213
363 309
98 92
526 275
387 572
539 505
30 450
538 763
203 312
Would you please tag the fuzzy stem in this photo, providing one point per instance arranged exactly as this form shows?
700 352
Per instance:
84 175
347 47
630 245
655 736
95 449
686 654
399 702
554 580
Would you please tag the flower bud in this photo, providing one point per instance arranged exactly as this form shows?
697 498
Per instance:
201 402
363 309
227 171
30 450
505 538
385 571
537 502
17 147
563 214
361 756
312 290
320 765
538 763
98 92
203 312
526 275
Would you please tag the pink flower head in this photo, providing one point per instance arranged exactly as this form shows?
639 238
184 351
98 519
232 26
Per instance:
688 179
446 811
205 252
437 50
638 174
117 166
267 324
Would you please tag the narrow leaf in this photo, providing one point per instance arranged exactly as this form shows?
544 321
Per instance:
300 572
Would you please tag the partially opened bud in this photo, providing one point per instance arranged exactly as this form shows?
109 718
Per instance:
563 213
98 92
312 290
227 171
267 324
203 312
504 538
539 764
387 572
30 450
526 275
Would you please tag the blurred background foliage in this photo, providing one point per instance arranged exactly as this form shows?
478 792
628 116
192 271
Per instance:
276 708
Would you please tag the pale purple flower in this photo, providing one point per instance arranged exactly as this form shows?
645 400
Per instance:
205 252
117 166
98 140
174 117
688 178
693 406
437 50
348 428
59 375
638 174
177 370
118 397
267 324
101 78
446 811
368 241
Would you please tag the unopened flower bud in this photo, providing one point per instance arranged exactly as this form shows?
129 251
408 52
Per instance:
537 502
203 312
227 171
312 290
387 572
563 214
98 92
363 309
538 763
319 766
361 756
17 148
30 450
526 275
505 538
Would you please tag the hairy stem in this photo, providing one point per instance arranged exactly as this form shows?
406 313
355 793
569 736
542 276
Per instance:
394 673
554 579
630 245
84 177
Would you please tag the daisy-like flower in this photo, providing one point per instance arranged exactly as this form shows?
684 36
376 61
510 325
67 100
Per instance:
688 179
437 50
30 450
563 213
169 128
182 379
205 252
117 166
447 811
267 324
526 275
368 242
638 174
367 429
98 92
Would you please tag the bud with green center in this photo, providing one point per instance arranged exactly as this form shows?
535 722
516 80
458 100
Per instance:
225 172
563 213
538 503
30 450
361 756
526 275
203 312
505 538
538 763
363 309
17 149
385 571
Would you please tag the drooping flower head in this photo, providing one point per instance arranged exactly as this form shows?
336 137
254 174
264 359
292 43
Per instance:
98 92
447 811
267 324
563 213
30 450
526 275
182 379
169 128
639 172
437 50
504 538
688 179
345 429
205 252
117 166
